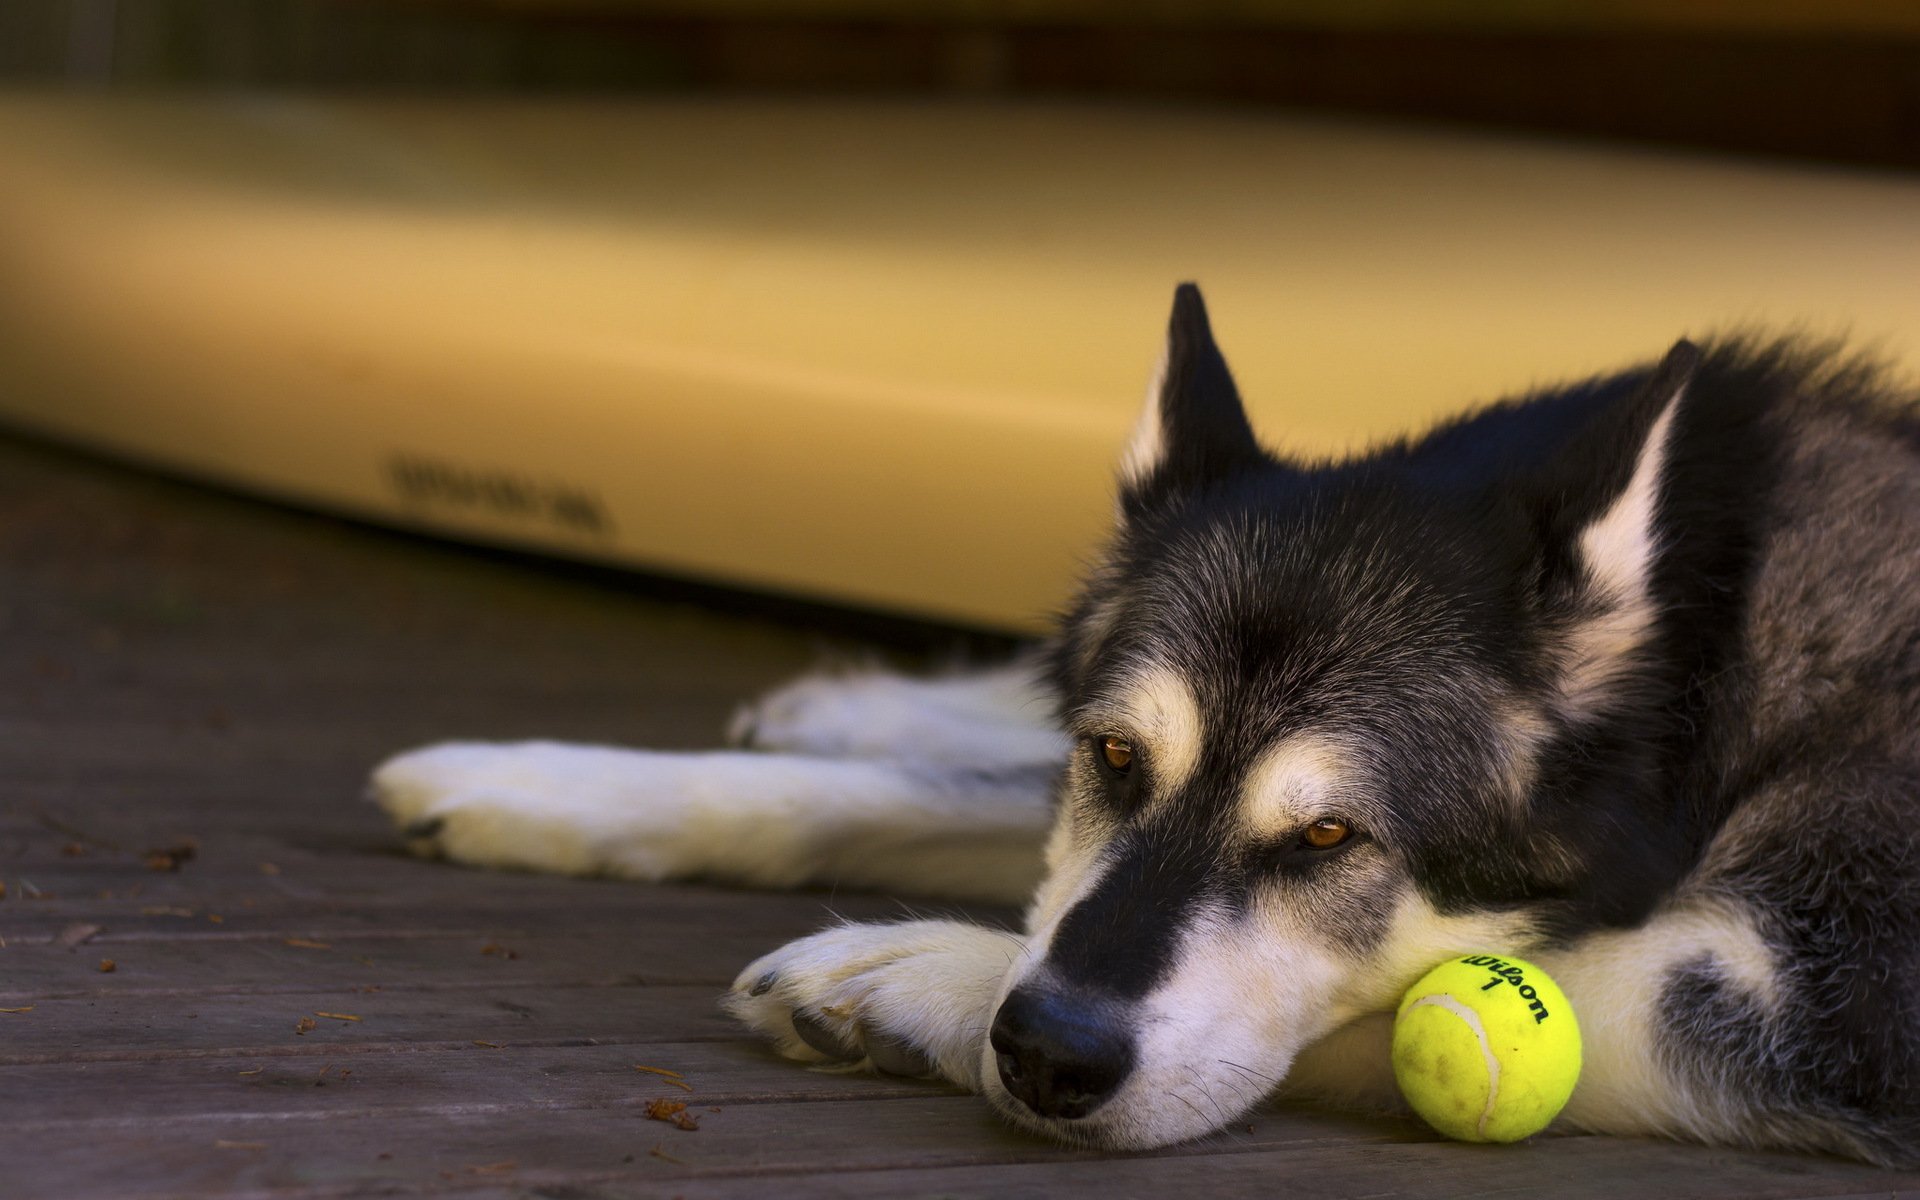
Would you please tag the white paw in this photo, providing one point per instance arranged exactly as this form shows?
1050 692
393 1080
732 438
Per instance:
995 718
913 998
545 806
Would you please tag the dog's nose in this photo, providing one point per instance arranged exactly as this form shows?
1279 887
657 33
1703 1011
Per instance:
1058 1057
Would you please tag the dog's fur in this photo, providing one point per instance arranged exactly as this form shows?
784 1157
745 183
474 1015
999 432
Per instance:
1623 677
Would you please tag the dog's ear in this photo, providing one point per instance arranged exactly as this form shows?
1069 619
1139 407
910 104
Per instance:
1600 499
1193 429
1604 502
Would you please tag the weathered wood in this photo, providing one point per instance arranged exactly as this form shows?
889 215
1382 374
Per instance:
315 1079
113 1029
232 875
1570 1168
906 1145
641 953
751 1139
454 912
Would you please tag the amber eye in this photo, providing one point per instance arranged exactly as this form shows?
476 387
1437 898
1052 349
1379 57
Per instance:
1117 753
1326 833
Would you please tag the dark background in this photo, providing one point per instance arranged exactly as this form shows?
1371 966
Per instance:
1831 82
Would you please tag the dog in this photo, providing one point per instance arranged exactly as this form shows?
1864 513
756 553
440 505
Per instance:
1621 677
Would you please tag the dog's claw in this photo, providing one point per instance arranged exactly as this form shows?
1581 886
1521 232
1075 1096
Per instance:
425 827
822 1037
896 1057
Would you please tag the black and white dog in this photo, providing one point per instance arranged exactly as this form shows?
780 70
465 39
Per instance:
1622 677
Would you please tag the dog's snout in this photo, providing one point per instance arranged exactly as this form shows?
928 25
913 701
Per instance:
1059 1057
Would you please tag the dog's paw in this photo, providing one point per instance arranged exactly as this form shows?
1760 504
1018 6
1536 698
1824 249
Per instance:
832 715
576 810
913 998
993 717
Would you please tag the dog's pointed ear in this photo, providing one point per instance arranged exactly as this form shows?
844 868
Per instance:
1615 525
1603 495
1193 428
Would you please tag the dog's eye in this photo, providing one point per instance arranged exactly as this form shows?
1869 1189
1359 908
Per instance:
1325 834
1117 753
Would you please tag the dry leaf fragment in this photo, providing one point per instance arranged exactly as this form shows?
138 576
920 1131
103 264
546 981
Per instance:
108 966
496 950
337 1016
659 1071
74 850
674 1112
489 1045
172 858
672 1077
305 944
657 1152
26 1009
255 1071
306 1025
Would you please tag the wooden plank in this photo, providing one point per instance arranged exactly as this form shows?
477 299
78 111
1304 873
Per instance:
609 1145
907 1146
254 880
373 887
190 916
248 1026
209 966
250 965
99 1097
1565 1168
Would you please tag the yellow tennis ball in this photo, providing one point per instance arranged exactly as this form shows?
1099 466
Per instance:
1486 1048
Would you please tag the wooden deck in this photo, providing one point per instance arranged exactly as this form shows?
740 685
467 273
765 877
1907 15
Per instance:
300 1010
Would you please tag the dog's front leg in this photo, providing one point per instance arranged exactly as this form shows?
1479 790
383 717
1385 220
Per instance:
907 998
769 820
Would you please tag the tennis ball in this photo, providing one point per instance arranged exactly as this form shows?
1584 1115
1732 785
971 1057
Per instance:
1486 1048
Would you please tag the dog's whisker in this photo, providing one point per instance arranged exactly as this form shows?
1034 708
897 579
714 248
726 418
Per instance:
1271 1080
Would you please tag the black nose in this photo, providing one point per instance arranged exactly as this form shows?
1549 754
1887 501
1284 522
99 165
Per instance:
1058 1056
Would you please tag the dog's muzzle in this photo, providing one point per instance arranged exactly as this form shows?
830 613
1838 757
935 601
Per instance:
1060 1054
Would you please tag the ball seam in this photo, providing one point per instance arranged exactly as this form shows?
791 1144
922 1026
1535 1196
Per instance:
1472 1020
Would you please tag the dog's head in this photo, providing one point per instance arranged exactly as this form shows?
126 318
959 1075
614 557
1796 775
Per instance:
1326 721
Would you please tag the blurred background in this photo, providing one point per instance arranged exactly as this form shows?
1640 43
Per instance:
1827 80
854 302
